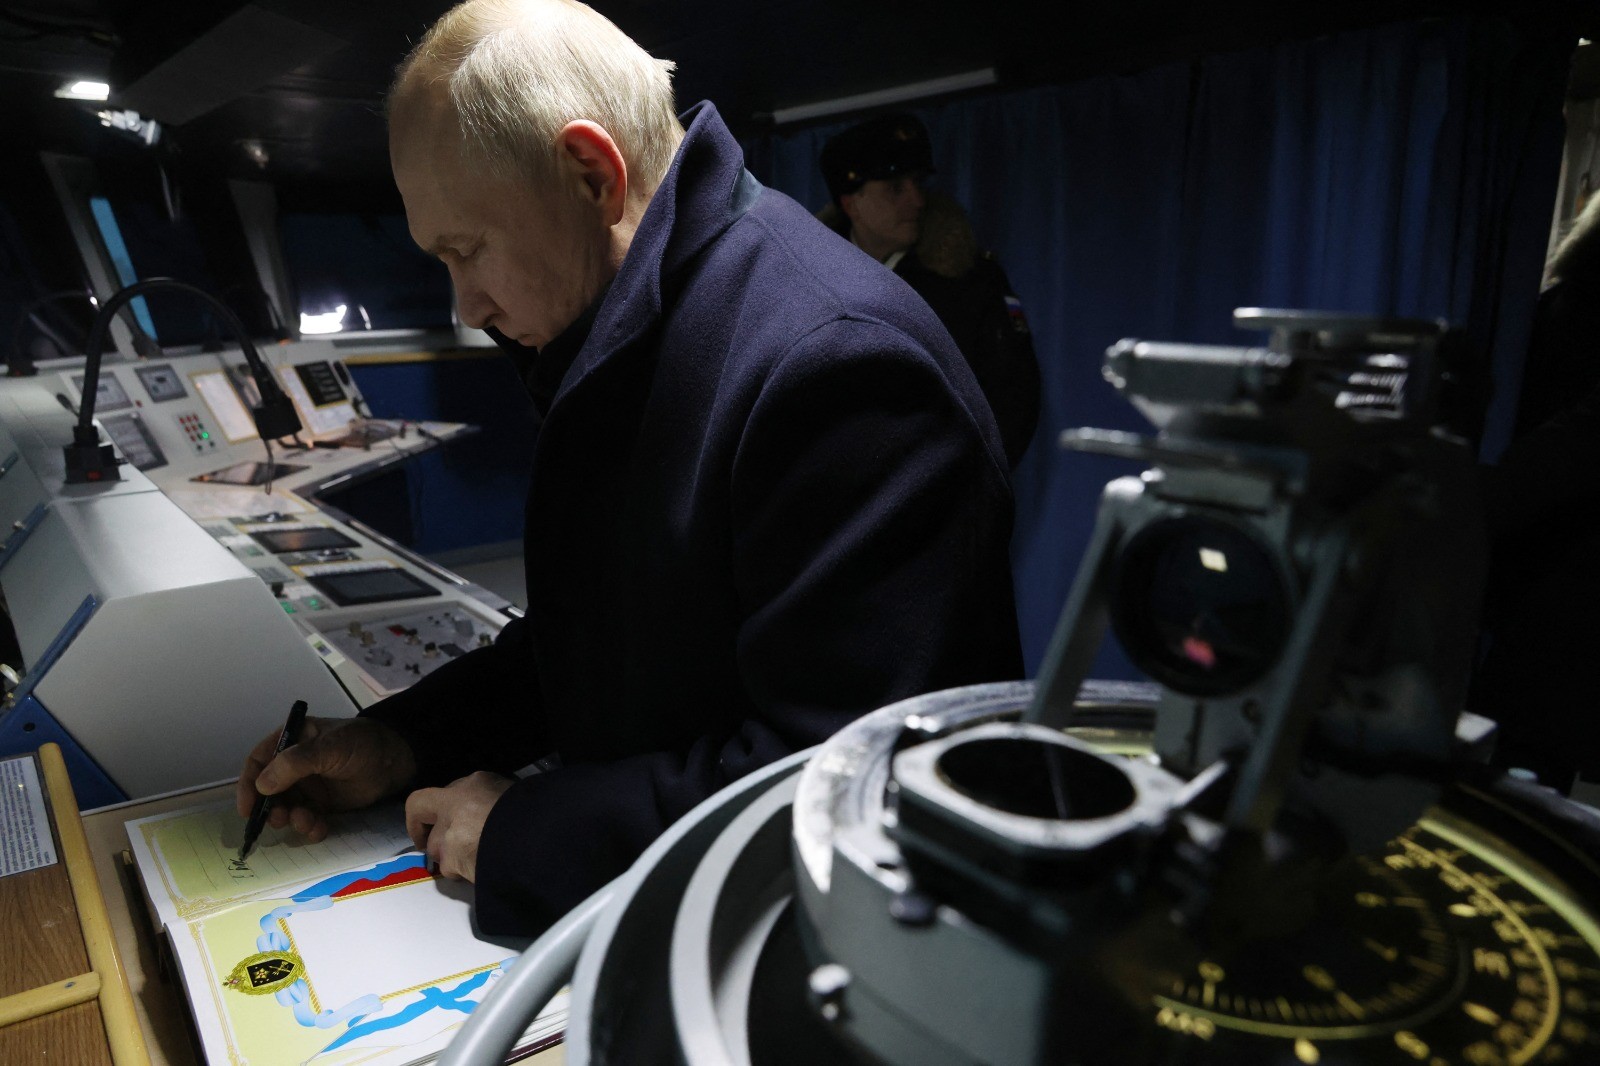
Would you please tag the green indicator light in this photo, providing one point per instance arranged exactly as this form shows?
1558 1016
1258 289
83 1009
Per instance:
204 435
288 608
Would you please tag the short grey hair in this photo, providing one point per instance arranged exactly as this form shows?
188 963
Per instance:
517 71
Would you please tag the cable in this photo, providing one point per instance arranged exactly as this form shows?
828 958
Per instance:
415 475
272 468
258 295
492 1029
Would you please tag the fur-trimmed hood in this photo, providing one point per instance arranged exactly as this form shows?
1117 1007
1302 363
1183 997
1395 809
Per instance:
1578 254
946 245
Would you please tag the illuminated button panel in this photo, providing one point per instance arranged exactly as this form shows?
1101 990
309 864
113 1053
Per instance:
201 439
393 652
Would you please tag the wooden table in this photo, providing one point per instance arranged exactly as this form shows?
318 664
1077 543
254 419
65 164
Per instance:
157 1000
56 966
43 946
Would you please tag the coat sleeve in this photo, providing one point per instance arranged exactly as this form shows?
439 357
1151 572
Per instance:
871 518
496 689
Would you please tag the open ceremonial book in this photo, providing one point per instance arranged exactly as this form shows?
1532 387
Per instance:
343 952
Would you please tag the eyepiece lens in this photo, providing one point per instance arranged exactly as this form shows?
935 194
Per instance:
1199 605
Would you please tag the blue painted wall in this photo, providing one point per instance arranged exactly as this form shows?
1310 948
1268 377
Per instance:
469 492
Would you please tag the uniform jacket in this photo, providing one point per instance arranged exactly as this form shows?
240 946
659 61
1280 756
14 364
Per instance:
767 496
972 296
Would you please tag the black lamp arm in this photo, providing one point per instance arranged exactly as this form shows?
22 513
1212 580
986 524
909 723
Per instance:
88 460
274 404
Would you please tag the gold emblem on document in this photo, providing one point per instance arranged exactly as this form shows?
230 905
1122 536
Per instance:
265 972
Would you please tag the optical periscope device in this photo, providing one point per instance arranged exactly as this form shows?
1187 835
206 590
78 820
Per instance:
1287 847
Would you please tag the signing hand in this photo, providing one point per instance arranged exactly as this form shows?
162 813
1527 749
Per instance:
339 764
447 822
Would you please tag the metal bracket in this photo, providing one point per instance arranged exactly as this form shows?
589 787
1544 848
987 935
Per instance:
20 531
58 647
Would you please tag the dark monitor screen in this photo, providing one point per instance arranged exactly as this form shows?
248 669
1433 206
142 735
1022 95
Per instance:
350 587
161 382
279 541
321 383
249 473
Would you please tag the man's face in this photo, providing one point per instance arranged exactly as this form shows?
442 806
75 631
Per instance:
886 213
524 261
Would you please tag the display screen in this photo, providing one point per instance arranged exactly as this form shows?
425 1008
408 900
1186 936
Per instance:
322 385
249 473
370 586
319 417
304 539
161 382
226 407
109 395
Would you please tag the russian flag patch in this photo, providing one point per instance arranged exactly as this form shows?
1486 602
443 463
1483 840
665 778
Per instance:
1019 321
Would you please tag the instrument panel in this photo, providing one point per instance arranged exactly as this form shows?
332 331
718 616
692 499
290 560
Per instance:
186 421
394 651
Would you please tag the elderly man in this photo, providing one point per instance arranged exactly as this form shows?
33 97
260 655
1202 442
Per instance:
875 172
767 495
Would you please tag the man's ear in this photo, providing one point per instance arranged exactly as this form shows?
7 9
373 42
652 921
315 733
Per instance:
847 204
589 153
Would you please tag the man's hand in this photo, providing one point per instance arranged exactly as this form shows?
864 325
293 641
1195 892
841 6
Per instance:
339 764
447 822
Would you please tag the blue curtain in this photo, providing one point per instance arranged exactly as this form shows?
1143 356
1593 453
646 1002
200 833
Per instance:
1408 169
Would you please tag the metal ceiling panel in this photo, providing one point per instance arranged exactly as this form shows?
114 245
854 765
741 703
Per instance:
246 50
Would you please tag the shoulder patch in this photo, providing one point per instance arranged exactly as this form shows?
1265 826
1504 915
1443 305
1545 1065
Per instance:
1019 321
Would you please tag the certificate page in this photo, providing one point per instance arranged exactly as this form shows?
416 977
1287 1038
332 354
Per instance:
343 952
189 859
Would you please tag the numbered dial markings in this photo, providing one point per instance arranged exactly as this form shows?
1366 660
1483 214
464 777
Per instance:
1449 948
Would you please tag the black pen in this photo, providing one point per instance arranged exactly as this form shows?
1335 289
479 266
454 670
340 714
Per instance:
258 817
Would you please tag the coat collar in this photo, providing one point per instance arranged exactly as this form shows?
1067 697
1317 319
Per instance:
705 190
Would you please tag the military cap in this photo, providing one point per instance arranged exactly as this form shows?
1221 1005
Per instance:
884 147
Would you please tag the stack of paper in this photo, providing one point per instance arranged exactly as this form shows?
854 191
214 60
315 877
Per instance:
337 953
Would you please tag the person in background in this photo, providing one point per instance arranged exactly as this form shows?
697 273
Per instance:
1543 515
767 495
875 172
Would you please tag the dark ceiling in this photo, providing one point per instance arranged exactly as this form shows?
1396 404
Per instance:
304 79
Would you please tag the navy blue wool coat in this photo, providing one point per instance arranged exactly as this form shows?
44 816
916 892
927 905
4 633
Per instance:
767 497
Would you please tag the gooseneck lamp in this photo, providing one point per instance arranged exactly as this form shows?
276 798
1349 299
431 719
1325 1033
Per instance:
88 460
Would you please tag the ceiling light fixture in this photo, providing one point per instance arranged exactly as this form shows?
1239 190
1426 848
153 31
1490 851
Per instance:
81 89
326 322
917 90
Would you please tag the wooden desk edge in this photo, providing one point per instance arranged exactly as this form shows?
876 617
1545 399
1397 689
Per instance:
123 1033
